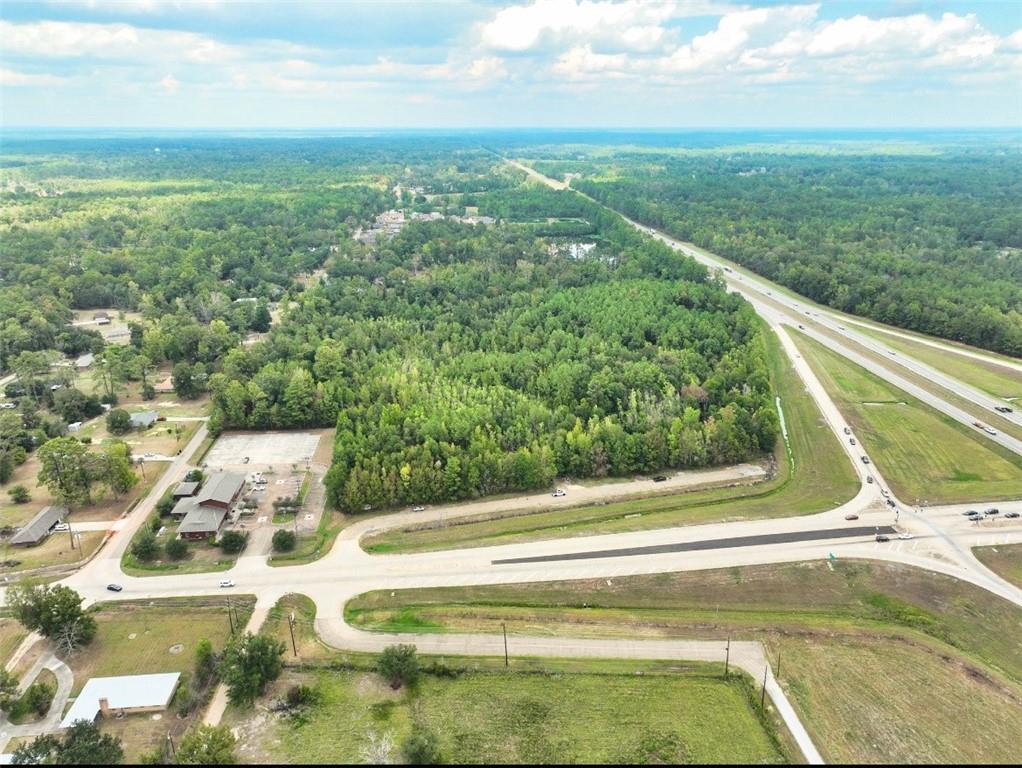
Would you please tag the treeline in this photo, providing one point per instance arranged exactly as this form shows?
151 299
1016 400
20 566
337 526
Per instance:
933 244
463 360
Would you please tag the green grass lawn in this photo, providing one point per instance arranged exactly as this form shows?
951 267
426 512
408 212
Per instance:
312 546
11 635
994 379
526 717
860 646
822 478
922 453
309 645
1005 560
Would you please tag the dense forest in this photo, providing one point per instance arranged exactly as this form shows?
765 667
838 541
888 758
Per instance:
928 243
501 336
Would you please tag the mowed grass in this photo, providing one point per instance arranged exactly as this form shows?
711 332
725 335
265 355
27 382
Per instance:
531 718
923 454
821 479
154 636
877 658
1005 560
310 647
11 635
997 380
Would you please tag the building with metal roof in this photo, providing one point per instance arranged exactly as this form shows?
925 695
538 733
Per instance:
200 522
221 489
144 419
122 695
39 527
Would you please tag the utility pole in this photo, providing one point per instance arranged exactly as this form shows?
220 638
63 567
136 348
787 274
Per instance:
762 696
170 741
291 626
727 656
503 626
230 616
778 662
71 534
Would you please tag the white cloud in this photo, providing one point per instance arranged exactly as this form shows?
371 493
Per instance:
633 23
13 78
170 84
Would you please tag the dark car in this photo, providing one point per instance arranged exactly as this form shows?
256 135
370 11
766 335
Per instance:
882 538
114 587
970 513
890 502
659 478
865 459
1012 514
852 516
992 511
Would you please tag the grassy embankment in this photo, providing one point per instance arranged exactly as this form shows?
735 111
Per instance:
922 453
1005 560
860 645
822 478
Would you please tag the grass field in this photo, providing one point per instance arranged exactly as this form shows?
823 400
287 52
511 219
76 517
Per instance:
312 546
994 379
202 556
922 454
1004 560
860 646
11 635
520 717
309 645
822 478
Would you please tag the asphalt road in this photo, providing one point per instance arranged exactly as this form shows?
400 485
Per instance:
696 546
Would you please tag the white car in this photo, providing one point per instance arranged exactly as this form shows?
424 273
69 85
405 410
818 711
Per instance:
418 508
558 492
905 536
62 527
148 455
226 583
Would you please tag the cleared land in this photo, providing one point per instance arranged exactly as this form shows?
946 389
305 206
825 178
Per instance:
263 448
1004 560
522 717
154 636
860 646
923 454
821 479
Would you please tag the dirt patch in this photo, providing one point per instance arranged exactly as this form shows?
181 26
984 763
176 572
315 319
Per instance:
374 685
176 648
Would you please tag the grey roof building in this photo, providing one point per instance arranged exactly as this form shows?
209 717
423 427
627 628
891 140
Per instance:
144 419
221 489
185 488
84 361
39 527
200 522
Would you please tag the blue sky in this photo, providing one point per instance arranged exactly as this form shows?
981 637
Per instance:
535 63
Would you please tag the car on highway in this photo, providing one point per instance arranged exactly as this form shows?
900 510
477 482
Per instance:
1013 514
841 327
881 537
848 431
852 516
660 478
801 327
865 459
1003 409
990 430
114 587
558 493
226 583
884 493
905 536
418 508
970 512
851 441
245 460
890 503
869 478
991 512
975 517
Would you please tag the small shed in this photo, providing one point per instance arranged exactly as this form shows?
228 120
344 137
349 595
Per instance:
84 361
39 527
144 419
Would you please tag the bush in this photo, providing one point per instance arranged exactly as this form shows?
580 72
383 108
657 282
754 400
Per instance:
118 421
38 698
232 542
148 391
19 494
399 665
166 505
300 696
421 747
145 548
284 541
177 549
155 523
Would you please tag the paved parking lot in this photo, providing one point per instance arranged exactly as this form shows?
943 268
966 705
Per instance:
263 448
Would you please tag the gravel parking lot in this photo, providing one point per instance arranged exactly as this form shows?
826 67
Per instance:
263 448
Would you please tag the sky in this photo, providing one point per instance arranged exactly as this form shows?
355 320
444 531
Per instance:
294 64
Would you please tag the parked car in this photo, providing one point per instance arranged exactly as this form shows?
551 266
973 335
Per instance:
881 537
852 516
148 455
62 527
659 478
114 587
905 536
418 508
1012 514
226 583
992 512
558 492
